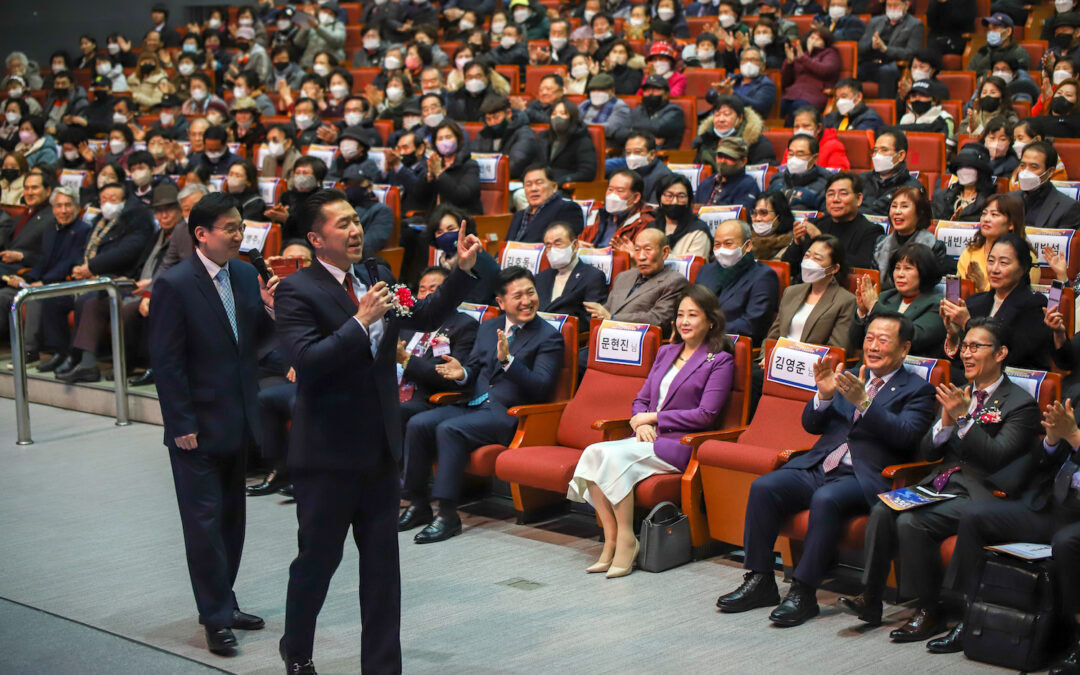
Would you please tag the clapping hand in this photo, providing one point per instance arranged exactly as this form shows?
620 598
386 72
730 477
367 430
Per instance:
451 369
789 53
468 247
502 348
1057 263
865 294
1059 422
825 371
954 402
804 229
851 387
878 44
976 275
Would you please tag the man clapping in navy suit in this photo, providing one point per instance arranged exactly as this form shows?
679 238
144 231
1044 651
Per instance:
516 360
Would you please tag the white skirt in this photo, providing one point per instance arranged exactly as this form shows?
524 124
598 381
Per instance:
616 467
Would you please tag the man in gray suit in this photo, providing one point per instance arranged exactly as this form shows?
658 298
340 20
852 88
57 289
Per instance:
890 37
647 294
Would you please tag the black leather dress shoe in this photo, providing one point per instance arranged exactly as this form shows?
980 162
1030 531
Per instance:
220 641
54 362
440 529
245 621
950 644
288 491
862 606
756 590
79 374
69 364
146 378
924 625
271 484
414 515
798 605
294 666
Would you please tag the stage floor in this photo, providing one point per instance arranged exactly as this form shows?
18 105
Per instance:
91 535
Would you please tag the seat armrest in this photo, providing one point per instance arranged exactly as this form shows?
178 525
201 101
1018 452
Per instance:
785 456
695 440
614 429
903 475
538 424
537 409
447 398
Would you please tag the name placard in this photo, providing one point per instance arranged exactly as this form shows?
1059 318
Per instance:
956 235
379 157
523 254
619 342
586 206
254 235
1030 380
326 153
556 320
72 178
1069 188
920 365
758 171
216 181
1058 240
881 221
712 216
473 310
268 188
380 192
600 258
489 166
693 173
681 263
792 363
805 215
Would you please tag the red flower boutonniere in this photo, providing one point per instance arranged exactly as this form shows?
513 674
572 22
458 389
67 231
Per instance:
403 300
989 416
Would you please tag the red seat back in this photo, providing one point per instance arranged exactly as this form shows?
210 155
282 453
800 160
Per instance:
689 110
849 58
961 84
736 412
885 108
926 154
698 82
779 139
535 74
568 328
783 272
857 144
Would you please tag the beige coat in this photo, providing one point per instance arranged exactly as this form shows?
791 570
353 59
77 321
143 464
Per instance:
827 324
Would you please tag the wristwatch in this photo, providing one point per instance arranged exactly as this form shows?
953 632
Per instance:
962 420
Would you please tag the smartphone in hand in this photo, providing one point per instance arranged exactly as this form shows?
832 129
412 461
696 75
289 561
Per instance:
952 288
1054 301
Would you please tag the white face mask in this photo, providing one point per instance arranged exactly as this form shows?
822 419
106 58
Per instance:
521 15
726 257
599 98
326 19
466 25
198 94
497 28
614 204
637 21
1061 75
812 271
635 162
665 13
661 67
1004 74
1063 5
236 185
706 55
371 44
245 22
15 92
339 91
304 182
349 148
409 121
117 147
894 14
111 210
284 24
239 91
588 15
763 39
462 62
12 117
166 119
186 68
763 228
560 257
433 120
844 105
796 166
883 163
967 175
507 42
579 72
213 24
727 20
749 69
113 48
557 43
1029 180
104 69
353 118
920 75
119 118
1018 147
837 13
71 155
394 94
321 69
275 149
302 121
475 86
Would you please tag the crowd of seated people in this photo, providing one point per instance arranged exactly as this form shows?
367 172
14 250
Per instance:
724 158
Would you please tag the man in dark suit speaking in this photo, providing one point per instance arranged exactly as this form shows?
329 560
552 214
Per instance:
206 322
337 330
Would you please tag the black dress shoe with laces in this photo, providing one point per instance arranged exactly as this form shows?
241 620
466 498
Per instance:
54 362
440 529
798 605
220 641
925 624
295 666
271 484
863 606
147 378
1070 665
756 590
79 374
414 515
950 644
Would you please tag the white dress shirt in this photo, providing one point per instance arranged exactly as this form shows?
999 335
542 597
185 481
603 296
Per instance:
375 330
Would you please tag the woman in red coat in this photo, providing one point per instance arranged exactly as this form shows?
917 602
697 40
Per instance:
832 154
807 74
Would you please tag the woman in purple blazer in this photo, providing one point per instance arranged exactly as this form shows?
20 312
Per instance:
686 389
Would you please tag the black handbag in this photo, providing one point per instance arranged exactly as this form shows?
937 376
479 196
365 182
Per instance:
665 539
1012 617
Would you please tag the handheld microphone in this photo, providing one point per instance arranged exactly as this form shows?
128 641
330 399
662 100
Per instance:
371 265
255 256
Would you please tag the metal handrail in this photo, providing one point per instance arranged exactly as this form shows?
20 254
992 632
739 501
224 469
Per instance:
18 355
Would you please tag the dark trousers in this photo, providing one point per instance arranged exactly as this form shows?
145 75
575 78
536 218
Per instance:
449 434
92 324
1000 522
275 411
832 499
916 535
327 504
887 75
210 493
55 334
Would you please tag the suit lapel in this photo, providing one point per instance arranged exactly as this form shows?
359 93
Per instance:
332 288
890 388
696 360
640 289
823 304
206 286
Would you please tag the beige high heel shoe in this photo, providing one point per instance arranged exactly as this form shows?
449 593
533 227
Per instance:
599 566
615 572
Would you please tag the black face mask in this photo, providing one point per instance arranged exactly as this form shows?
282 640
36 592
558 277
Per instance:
1061 105
989 103
358 194
280 66
1061 41
920 107
652 102
146 68
560 125
61 93
9 174
676 212
409 159
498 129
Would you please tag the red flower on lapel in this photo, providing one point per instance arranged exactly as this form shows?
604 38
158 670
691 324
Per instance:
403 300
989 416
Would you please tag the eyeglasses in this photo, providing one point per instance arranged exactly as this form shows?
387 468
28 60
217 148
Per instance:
231 230
681 197
973 347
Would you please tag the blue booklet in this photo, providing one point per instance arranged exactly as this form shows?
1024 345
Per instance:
912 497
